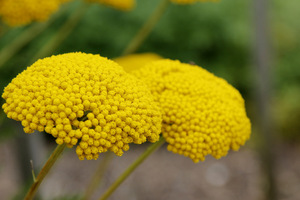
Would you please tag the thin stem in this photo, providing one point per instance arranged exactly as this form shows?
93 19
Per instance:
62 33
32 171
46 168
143 33
27 36
97 177
132 167
263 56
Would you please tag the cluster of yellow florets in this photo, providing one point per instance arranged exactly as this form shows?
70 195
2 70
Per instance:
202 114
84 98
118 4
21 12
134 61
191 1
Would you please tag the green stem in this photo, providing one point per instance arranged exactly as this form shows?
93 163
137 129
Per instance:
143 33
97 177
46 168
61 34
132 167
32 171
27 35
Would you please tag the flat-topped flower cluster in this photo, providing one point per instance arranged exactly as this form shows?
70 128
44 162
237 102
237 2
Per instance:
91 102
202 114
84 99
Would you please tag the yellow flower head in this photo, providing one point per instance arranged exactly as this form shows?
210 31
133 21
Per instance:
134 61
84 99
202 114
118 4
191 1
21 12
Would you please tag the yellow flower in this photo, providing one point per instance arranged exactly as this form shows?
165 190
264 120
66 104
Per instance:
191 1
202 114
134 61
84 99
21 12
118 4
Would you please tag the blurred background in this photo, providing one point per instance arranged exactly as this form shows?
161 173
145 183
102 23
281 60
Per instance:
253 44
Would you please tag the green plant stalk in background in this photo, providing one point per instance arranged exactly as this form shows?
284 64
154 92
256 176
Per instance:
26 37
46 168
132 167
62 33
148 26
97 176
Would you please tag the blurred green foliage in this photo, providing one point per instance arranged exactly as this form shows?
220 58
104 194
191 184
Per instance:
216 36
285 29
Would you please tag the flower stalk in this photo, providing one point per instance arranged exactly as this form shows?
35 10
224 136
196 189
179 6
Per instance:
32 171
143 33
64 31
26 37
97 177
46 168
132 167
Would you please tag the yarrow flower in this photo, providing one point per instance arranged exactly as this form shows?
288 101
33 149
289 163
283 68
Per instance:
118 4
191 1
84 100
134 61
21 12
202 114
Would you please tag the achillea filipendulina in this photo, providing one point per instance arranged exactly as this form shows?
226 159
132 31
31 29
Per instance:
202 114
135 61
84 99
118 4
22 12
192 1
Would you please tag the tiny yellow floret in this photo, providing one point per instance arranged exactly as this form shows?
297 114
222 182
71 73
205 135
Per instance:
42 98
202 113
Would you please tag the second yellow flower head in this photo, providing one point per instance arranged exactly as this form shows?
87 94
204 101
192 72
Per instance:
202 114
